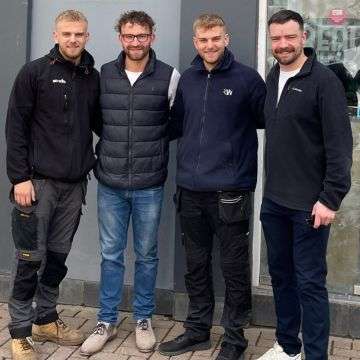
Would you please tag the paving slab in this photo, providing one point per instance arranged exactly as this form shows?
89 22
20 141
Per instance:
123 346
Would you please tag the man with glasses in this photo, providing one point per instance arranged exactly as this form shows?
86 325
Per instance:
137 91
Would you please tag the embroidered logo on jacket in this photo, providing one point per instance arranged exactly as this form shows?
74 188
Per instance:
227 92
296 89
60 81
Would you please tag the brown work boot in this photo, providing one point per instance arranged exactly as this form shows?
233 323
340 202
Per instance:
23 349
57 332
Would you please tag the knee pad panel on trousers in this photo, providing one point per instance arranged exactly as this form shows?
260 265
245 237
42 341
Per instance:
25 281
235 251
55 269
24 229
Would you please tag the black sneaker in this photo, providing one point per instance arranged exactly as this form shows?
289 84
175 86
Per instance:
183 344
230 352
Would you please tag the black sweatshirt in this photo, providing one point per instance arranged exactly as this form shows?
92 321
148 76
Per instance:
52 109
308 138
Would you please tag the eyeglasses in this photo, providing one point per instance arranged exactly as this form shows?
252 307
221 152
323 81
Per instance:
131 37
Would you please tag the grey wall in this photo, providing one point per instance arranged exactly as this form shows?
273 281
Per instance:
241 19
84 260
13 36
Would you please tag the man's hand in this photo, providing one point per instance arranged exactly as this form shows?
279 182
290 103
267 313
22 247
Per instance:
323 215
24 193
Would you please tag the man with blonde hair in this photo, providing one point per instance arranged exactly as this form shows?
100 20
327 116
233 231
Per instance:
52 111
217 108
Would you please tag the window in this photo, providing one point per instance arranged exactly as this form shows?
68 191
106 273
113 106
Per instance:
334 31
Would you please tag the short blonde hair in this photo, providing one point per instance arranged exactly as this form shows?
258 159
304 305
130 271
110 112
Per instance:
208 21
71 15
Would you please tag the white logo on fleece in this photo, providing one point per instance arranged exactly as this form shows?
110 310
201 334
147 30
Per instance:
227 92
60 81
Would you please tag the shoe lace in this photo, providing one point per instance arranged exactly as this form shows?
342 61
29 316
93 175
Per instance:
26 344
61 324
99 329
179 338
143 324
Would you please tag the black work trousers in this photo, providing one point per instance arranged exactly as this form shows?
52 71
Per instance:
43 235
224 214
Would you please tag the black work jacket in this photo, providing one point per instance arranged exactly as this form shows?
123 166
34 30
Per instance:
53 108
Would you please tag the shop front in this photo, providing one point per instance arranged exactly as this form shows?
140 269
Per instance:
333 28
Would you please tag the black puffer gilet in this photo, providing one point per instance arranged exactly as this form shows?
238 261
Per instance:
133 150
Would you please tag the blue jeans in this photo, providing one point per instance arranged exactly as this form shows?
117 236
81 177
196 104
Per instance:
114 209
297 265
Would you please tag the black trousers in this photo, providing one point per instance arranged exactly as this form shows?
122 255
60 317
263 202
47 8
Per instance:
297 265
226 215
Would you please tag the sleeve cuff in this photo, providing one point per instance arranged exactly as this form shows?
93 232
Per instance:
18 181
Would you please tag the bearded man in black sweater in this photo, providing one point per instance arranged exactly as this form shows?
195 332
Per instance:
308 162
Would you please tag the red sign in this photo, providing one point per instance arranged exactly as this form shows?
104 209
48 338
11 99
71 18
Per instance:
337 16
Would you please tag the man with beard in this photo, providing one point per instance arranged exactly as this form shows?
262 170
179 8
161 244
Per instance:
136 93
218 105
308 162
52 109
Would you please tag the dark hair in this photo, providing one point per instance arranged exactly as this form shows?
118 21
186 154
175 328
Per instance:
135 17
283 16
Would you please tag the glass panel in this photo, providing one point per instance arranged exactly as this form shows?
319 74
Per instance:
334 31
333 28
344 245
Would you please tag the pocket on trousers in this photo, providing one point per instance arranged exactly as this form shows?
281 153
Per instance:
177 199
234 206
24 229
39 185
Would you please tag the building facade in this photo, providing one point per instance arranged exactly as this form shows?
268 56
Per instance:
334 31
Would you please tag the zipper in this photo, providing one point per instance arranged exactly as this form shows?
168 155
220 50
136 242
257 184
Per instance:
130 132
131 116
287 87
203 119
70 120
232 201
66 104
285 91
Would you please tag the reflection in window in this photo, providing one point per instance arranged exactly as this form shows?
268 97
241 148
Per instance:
333 29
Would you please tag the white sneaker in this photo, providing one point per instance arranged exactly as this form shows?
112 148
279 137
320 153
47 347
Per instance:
278 353
102 333
144 334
